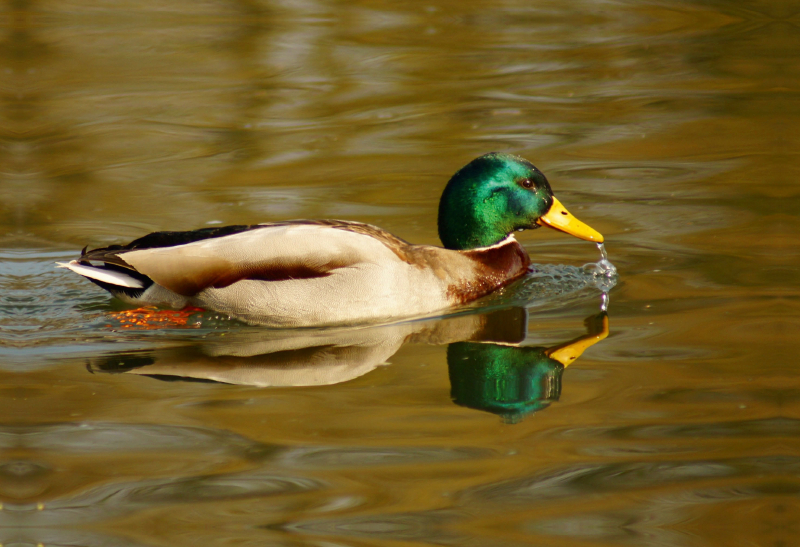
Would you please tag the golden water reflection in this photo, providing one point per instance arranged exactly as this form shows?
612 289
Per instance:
670 126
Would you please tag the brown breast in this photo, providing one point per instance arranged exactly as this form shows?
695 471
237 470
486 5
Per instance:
495 267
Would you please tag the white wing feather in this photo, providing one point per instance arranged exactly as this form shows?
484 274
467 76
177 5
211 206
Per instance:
101 274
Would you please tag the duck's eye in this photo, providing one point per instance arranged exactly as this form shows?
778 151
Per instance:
526 183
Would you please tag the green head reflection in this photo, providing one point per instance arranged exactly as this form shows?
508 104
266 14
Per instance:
508 381
513 382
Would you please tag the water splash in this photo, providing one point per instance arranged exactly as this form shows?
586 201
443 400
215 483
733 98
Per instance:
557 285
551 286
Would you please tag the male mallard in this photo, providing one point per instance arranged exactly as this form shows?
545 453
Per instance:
326 272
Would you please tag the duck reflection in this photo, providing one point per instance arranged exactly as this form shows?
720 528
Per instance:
490 367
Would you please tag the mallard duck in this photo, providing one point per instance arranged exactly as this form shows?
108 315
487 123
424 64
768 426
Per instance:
332 272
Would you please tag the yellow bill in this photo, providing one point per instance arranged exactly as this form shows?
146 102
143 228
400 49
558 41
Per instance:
562 220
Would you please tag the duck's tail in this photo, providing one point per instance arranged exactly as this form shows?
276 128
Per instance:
117 281
103 274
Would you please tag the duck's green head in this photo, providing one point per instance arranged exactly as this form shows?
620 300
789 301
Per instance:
495 195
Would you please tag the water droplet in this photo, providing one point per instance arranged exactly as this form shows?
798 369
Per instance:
603 267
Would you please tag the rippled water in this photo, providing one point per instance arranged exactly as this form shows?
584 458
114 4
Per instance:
528 418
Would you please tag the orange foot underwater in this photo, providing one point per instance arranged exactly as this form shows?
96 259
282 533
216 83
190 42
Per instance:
151 317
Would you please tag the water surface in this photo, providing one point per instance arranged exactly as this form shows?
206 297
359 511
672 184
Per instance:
667 126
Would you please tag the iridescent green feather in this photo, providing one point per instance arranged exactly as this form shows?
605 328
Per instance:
485 201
